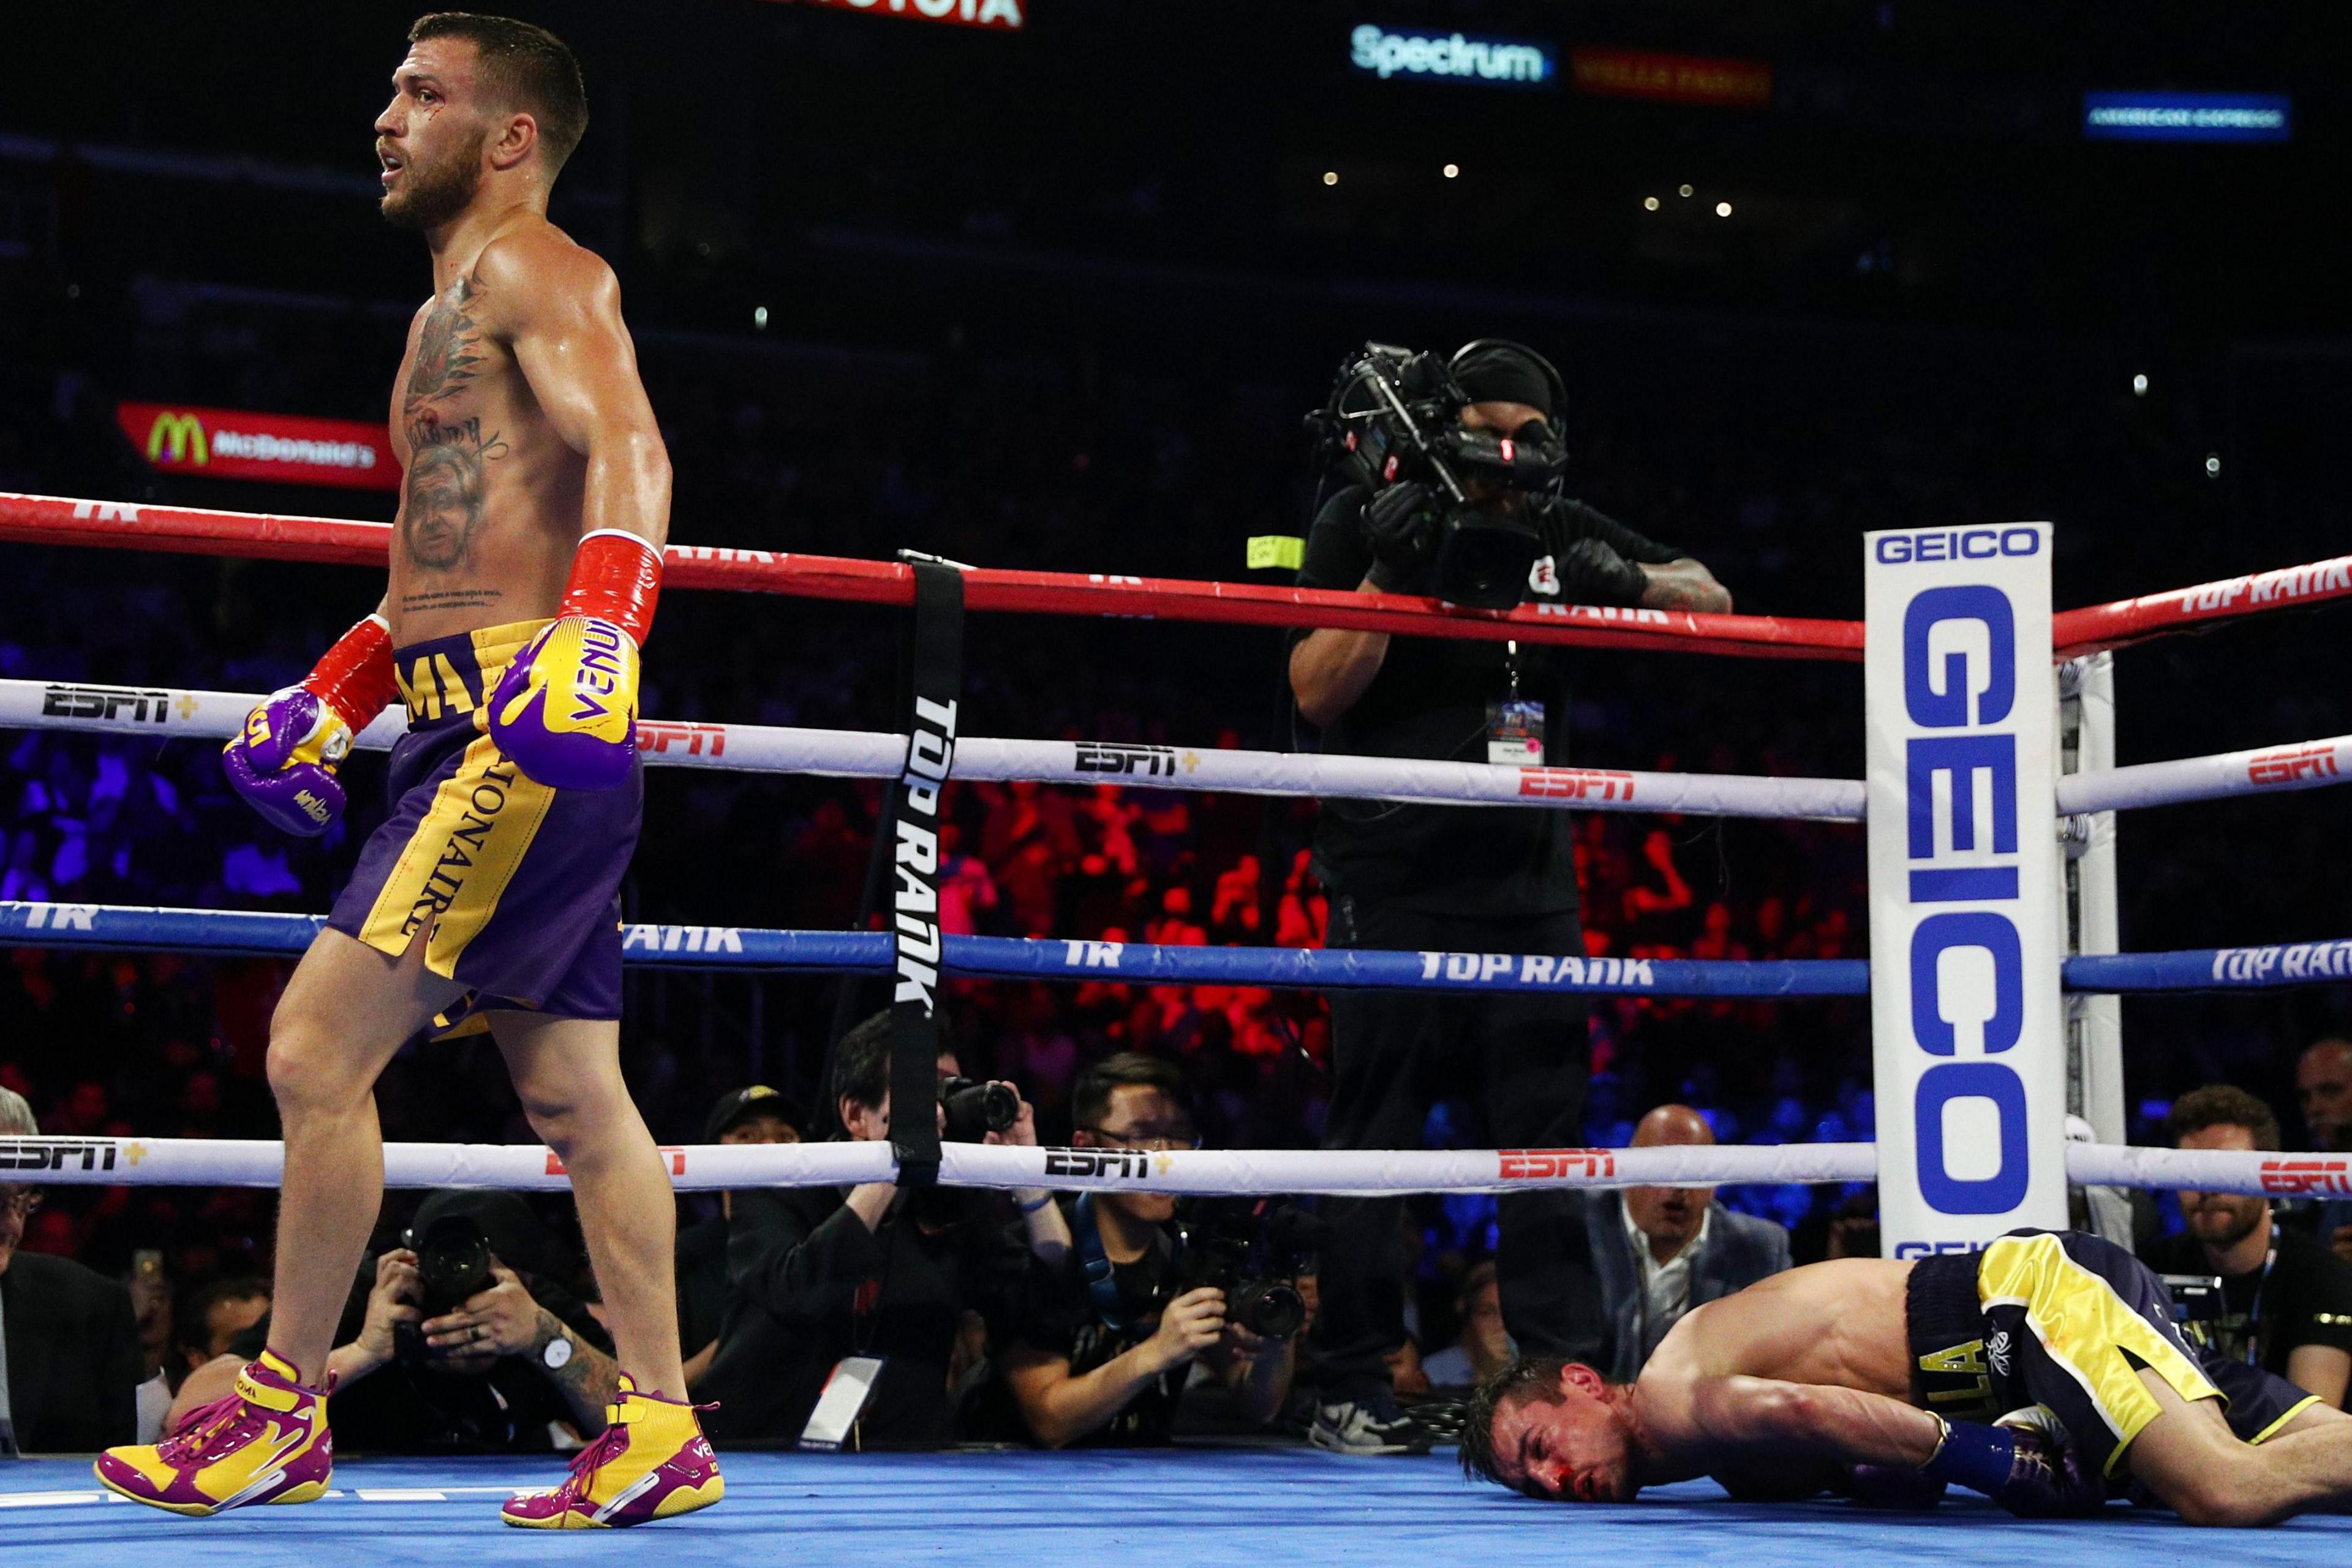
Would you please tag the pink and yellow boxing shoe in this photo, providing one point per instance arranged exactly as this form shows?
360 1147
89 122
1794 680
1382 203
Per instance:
653 1462
267 1442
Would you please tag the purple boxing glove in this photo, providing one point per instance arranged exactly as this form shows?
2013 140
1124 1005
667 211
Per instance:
284 762
565 710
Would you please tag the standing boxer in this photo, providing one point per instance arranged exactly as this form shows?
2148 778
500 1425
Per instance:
525 563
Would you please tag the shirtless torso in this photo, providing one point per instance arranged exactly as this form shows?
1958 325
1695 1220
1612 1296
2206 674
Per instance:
488 411
1836 1325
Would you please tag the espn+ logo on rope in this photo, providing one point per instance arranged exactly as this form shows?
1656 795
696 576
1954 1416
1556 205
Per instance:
1963 697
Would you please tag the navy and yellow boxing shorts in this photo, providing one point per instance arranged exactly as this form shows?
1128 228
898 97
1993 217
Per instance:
2067 1319
517 883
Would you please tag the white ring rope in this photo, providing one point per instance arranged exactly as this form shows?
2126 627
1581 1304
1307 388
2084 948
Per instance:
205 1161
163 712
2308 764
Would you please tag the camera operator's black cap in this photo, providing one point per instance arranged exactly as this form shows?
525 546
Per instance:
739 1105
515 1233
1494 371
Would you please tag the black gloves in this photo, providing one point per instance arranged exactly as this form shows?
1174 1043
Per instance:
1590 572
1401 528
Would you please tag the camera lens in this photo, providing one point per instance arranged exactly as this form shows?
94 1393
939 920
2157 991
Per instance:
453 1261
1269 1308
976 1110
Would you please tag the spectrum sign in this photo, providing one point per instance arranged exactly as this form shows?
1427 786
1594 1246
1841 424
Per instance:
1389 52
280 448
2188 116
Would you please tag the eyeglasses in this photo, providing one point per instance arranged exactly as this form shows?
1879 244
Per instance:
1146 1138
19 1202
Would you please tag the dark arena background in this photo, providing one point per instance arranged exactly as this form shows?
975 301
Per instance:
1050 287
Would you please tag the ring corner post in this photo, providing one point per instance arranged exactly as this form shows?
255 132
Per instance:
2094 1064
1966 1024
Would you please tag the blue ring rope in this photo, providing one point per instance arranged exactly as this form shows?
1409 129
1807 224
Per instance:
126 929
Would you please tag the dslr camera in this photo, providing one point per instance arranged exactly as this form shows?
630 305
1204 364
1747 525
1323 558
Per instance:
453 1263
974 1110
1394 417
1250 1249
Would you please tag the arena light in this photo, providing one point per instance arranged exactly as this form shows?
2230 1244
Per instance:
1452 171
1389 52
1723 209
2188 116
1331 176
2139 386
1649 204
2212 465
759 317
1682 191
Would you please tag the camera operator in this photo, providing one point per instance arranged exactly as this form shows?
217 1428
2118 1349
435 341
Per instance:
448 1347
820 1275
2286 1300
1112 1334
1445 878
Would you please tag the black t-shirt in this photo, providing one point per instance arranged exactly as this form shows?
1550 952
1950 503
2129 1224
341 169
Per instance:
2306 1300
809 1284
1434 698
1063 1318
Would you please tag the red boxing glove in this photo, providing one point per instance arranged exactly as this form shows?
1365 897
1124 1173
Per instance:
355 676
615 577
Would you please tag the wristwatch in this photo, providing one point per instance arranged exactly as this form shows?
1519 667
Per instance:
558 1353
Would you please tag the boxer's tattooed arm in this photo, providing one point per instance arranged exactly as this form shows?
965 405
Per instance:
442 513
447 349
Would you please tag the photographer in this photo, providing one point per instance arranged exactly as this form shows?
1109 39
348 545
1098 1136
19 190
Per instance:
1114 1333
2286 1300
446 1348
818 1275
1454 879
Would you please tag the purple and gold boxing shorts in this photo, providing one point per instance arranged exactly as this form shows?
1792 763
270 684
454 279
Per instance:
518 883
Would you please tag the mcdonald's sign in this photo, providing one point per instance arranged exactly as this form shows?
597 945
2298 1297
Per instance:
280 448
